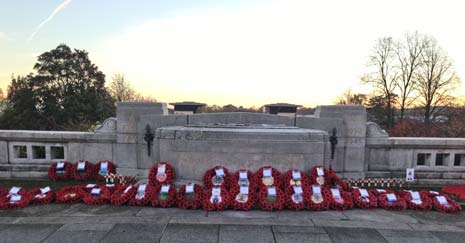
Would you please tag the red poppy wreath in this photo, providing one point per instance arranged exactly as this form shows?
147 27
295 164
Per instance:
41 195
161 173
416 200
69 194
102 168
82 170
445 204
217 176
165 196
270 198
296 197
268 176
294 178
319 176
215 199
364 198
391 201
189 196
340 200
60 171
244 177
142 196
122 194
15 197
97 195
243 197
319 198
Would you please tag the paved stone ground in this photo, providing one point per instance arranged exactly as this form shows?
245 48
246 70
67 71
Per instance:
82 223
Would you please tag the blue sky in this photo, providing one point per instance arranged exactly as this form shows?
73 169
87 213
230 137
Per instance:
220 52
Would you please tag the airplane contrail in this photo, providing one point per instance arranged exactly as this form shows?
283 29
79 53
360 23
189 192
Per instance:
50 17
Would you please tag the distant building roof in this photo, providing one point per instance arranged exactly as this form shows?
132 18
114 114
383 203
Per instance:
282 105
188 103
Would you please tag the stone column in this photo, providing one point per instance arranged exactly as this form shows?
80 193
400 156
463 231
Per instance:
353 140
128 115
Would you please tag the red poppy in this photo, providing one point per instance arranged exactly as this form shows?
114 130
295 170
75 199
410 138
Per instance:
294 177
142 196
62 173
97 195
69 194
13 198
161 173
248 177
122 194
423 202
215 199
318 200
396 203
274 179
272 202
367 200
164 199
41 195
190 203
296 197
340 199
217 176
82 170
319 176
100 171
242 199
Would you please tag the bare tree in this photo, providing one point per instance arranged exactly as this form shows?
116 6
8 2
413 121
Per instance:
409 61
436 80
384 76
351 98
120 88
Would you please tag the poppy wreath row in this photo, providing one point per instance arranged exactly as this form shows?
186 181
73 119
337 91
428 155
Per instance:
111 169
274 173
168 177
122 194
286 179
250 176
242 206
209 174
170 201
338 182
398 205
314 176
37 198
6 203
357 199
425 204
215 206
319 206
69 194
346 203
378 192
146 199
184 203
278 204
54 176
291 204
87 174
103 197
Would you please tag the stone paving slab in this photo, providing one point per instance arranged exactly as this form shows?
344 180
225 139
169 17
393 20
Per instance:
379 215
243 214
297 234
348 235
135 233
93 219
88 227
328 215
298 221
408 236
452 237
245 233
360 224
151 211
436 227
108 210
299 229
84 236
190 233
27 233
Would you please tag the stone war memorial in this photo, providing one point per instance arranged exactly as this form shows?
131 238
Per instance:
147 175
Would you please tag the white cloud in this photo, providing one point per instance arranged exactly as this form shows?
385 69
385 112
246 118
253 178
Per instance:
301 52
50 17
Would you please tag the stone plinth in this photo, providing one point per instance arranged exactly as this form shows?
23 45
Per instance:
194 149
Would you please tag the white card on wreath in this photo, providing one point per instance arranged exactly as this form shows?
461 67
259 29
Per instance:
320 171
60 165
243 175
14 190
104 166
161 169
95 191
415 196
381 190
81 165
190 188
296 175
391 197
363 192
298 190
272 191
127 189
442 200
316 189
15 198
141 188
219 172
244 190
216 191
434 192
44 190
267 172
109 185
336 193
90 185
165 188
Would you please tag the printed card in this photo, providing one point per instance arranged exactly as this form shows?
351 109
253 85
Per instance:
127 189
81 165
161 169
60 165
15 198
336 193
271 191
104 166
267 172
90 185
391 197
14 190
219 172
364 193
44 190
415 196
243 175
296 175
216 191
244 190
190 188
442 200
316 189
165 188
298 190
95 191
320 171
141 188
